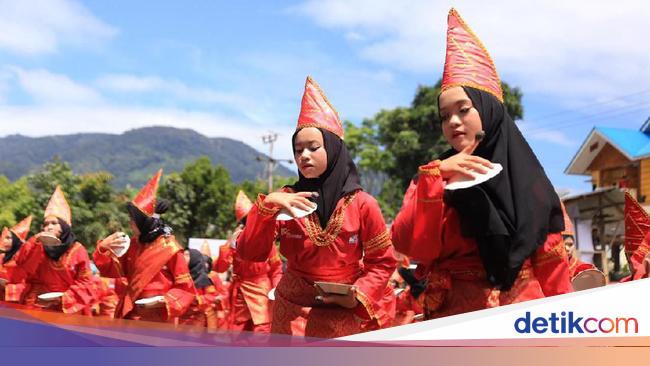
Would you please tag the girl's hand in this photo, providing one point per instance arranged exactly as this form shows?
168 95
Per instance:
348 301
463 164
289 201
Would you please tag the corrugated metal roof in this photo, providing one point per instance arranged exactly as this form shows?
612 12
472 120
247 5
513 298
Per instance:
633 143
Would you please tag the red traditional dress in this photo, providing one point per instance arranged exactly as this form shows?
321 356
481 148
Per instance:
251 281
249 289
407 308
70 273
107 296
429 231
576 266
637 239
147 270
13 291
354 248
205 310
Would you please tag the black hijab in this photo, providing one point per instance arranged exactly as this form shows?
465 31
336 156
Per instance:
339 179
511 214
150 227
199 269
16 243
67 239
416 286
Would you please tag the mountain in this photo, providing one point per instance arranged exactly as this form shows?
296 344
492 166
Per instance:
132 156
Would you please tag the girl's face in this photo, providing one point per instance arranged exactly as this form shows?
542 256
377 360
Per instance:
460 120
51 225
5 241
134 228
309 152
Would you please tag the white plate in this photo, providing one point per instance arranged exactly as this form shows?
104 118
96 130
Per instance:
120 251
271 294
150 300
333 287
284 215
50 296
49 240
478 178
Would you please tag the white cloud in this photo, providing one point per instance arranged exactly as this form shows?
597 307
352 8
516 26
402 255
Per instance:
62 104
50 88
578 49
41 27
354 36
554 136
143 84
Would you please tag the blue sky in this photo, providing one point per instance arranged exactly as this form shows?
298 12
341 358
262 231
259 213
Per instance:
237 69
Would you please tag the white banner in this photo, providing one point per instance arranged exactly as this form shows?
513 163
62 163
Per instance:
610 311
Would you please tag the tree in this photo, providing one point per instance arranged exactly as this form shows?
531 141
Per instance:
16 201
202 198
390 147
96 209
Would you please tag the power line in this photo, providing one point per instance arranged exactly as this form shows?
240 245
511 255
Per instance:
593 118
588 106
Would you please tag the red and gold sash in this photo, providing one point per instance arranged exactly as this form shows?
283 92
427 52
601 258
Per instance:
149 261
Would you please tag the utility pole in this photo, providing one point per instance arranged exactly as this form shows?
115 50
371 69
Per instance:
270 139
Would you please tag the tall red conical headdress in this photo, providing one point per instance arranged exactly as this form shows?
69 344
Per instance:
242 206
21 229
467 61
568 224
58 207
317 111
637 231
145 200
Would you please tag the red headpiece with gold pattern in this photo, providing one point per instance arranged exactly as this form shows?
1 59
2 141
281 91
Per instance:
58 207
637 231
242 205
568 224
145 200
467 61
21 229
317 111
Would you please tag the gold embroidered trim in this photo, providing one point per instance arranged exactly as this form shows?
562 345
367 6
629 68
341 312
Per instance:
176 301
381 241
435 171
182 278
320 125
367 304
326 237
558 251
262 209
472 85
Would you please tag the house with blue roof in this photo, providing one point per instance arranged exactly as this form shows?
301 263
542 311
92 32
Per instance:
618 160
616 157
